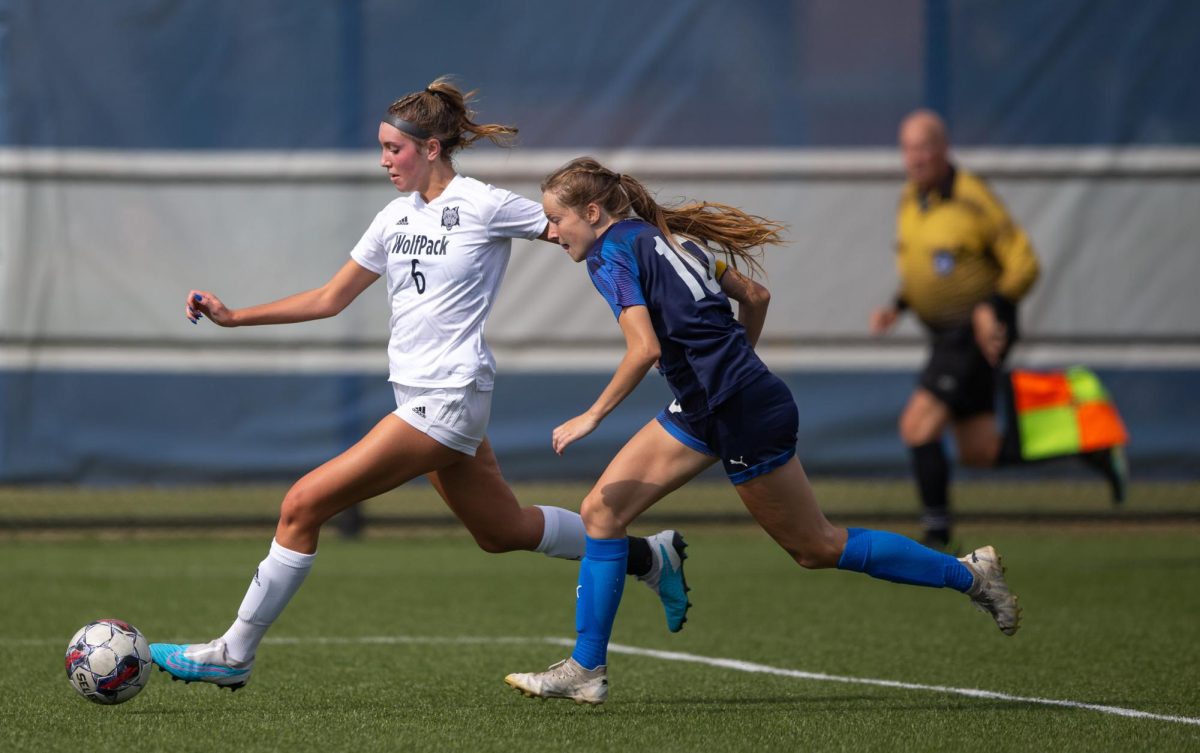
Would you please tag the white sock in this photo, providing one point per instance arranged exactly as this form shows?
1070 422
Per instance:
563 534
276 580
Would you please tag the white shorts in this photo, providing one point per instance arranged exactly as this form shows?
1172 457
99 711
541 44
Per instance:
454 416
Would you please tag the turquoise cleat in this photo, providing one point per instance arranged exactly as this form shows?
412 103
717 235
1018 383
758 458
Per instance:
666 576
201 662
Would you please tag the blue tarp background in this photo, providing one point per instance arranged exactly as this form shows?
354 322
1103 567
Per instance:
306 74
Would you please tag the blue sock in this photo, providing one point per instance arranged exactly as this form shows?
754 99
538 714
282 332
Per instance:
601 581
890 556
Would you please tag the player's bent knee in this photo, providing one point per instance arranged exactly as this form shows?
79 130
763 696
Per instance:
920 423
600 520
299 510
914 433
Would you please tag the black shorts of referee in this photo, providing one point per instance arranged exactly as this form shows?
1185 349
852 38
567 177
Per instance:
958 374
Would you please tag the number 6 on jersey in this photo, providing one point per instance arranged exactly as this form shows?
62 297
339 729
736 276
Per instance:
418 278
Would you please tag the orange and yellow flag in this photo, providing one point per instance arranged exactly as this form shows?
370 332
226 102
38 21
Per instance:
1064 413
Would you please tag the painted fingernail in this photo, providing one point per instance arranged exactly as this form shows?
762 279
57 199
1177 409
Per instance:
197 298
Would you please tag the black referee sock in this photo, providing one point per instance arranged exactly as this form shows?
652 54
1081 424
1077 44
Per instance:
640 559
932 472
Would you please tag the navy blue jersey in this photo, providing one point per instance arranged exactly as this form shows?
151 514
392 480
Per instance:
705 354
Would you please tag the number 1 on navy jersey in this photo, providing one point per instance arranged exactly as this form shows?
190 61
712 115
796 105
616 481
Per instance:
678 263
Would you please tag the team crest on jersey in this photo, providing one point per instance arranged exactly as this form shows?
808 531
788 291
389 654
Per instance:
449 217
943 262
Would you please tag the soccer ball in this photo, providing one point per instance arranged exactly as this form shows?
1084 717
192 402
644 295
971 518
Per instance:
108 661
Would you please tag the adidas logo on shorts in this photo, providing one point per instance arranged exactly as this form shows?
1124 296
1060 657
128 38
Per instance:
419 410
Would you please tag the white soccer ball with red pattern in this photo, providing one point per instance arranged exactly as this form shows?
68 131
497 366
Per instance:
108 661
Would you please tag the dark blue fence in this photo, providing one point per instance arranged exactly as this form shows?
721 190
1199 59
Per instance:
173 428
310 74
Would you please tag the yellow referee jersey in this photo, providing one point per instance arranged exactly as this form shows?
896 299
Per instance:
956 246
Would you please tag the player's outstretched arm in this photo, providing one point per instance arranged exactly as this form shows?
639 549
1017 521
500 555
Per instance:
318 303
641 352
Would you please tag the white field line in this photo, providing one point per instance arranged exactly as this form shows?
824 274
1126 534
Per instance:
734 664
745 666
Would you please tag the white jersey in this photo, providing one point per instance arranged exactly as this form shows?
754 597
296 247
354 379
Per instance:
444 261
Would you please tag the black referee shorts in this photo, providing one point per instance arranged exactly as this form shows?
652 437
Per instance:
959 375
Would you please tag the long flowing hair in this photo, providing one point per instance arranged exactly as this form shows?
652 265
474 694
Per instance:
738 234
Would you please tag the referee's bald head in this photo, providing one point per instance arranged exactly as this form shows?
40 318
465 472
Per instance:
924 144
926 125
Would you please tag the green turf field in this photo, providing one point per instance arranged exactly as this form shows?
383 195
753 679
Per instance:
400 642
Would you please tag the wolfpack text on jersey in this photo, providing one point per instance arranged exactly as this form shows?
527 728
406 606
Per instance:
444 261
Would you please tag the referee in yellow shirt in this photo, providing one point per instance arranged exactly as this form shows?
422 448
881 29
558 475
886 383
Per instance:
964 265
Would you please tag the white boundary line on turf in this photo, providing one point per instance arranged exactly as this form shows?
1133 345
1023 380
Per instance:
745 666
735 664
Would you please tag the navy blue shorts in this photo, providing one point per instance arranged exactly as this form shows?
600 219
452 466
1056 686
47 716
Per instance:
753 432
